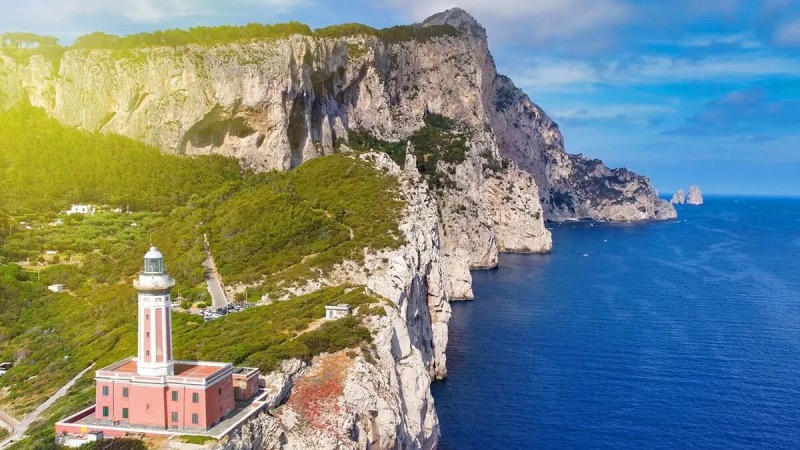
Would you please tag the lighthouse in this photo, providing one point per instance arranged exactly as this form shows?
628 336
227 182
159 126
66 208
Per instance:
152 392
155 317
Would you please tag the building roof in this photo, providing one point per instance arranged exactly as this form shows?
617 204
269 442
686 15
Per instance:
185 371
340 307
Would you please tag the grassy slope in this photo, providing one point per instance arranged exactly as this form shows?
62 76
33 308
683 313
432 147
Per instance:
310 210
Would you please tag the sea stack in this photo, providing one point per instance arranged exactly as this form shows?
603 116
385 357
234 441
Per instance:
678 198
695 197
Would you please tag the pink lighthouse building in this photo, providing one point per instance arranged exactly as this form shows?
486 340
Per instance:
154 392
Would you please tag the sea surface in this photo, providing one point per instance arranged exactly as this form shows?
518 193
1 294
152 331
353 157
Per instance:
672 335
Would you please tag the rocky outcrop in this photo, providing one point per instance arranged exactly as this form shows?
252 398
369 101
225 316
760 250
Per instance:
377 398
678 198
276 104
487 208
570 186
694 196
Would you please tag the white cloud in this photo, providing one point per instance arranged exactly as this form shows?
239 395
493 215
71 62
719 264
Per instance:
633 113
554 74
742 40
62 12
788 34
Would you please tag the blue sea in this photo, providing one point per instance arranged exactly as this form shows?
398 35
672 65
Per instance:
674 335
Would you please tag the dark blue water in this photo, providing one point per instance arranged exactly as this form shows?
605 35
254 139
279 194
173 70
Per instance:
668 335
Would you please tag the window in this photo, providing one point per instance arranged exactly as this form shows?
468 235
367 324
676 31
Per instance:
124 392
174 396
146 334
147 353
195 398
195 419
105 411
220 391
124 413
105 391
147 317
174 416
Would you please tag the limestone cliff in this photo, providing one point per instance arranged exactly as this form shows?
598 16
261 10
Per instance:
694 196
275 104
379 398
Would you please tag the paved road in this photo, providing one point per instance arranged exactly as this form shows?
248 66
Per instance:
218 298
214 286
19 430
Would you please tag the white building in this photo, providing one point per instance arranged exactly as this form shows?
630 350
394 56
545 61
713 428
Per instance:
81 209
56 287
336 311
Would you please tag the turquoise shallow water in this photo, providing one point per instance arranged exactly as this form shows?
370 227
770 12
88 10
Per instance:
667 335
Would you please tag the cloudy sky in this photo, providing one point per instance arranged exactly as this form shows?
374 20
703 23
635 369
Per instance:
684 91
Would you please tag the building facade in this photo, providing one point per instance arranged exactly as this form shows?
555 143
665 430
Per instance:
154 391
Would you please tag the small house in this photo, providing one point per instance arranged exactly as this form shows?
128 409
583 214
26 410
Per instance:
81 209
51 252
336 311
56 288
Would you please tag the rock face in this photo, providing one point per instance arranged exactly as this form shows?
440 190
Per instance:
678 198
276 104
379 398
694 197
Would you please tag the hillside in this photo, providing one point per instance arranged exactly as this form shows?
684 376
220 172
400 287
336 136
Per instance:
388 161
277 96
282 227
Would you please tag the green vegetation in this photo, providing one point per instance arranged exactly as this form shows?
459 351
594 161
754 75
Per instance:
396 34
441 139
344 30
195 35
405 33
46 167
308 219
276 228
115 444
264 336
21 46
197 440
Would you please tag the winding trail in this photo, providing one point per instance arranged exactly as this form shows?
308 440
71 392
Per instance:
22 427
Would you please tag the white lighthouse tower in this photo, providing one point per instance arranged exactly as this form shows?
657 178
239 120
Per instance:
155 317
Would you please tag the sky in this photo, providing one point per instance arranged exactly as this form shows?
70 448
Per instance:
702 92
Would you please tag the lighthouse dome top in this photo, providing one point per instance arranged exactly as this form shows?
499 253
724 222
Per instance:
153 261
153 254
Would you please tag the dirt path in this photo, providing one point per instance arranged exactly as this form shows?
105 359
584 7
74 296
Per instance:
7 421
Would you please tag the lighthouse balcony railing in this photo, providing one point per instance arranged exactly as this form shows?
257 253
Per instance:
154 282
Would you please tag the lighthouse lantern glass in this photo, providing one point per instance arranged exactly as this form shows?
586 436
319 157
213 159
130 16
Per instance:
155 265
